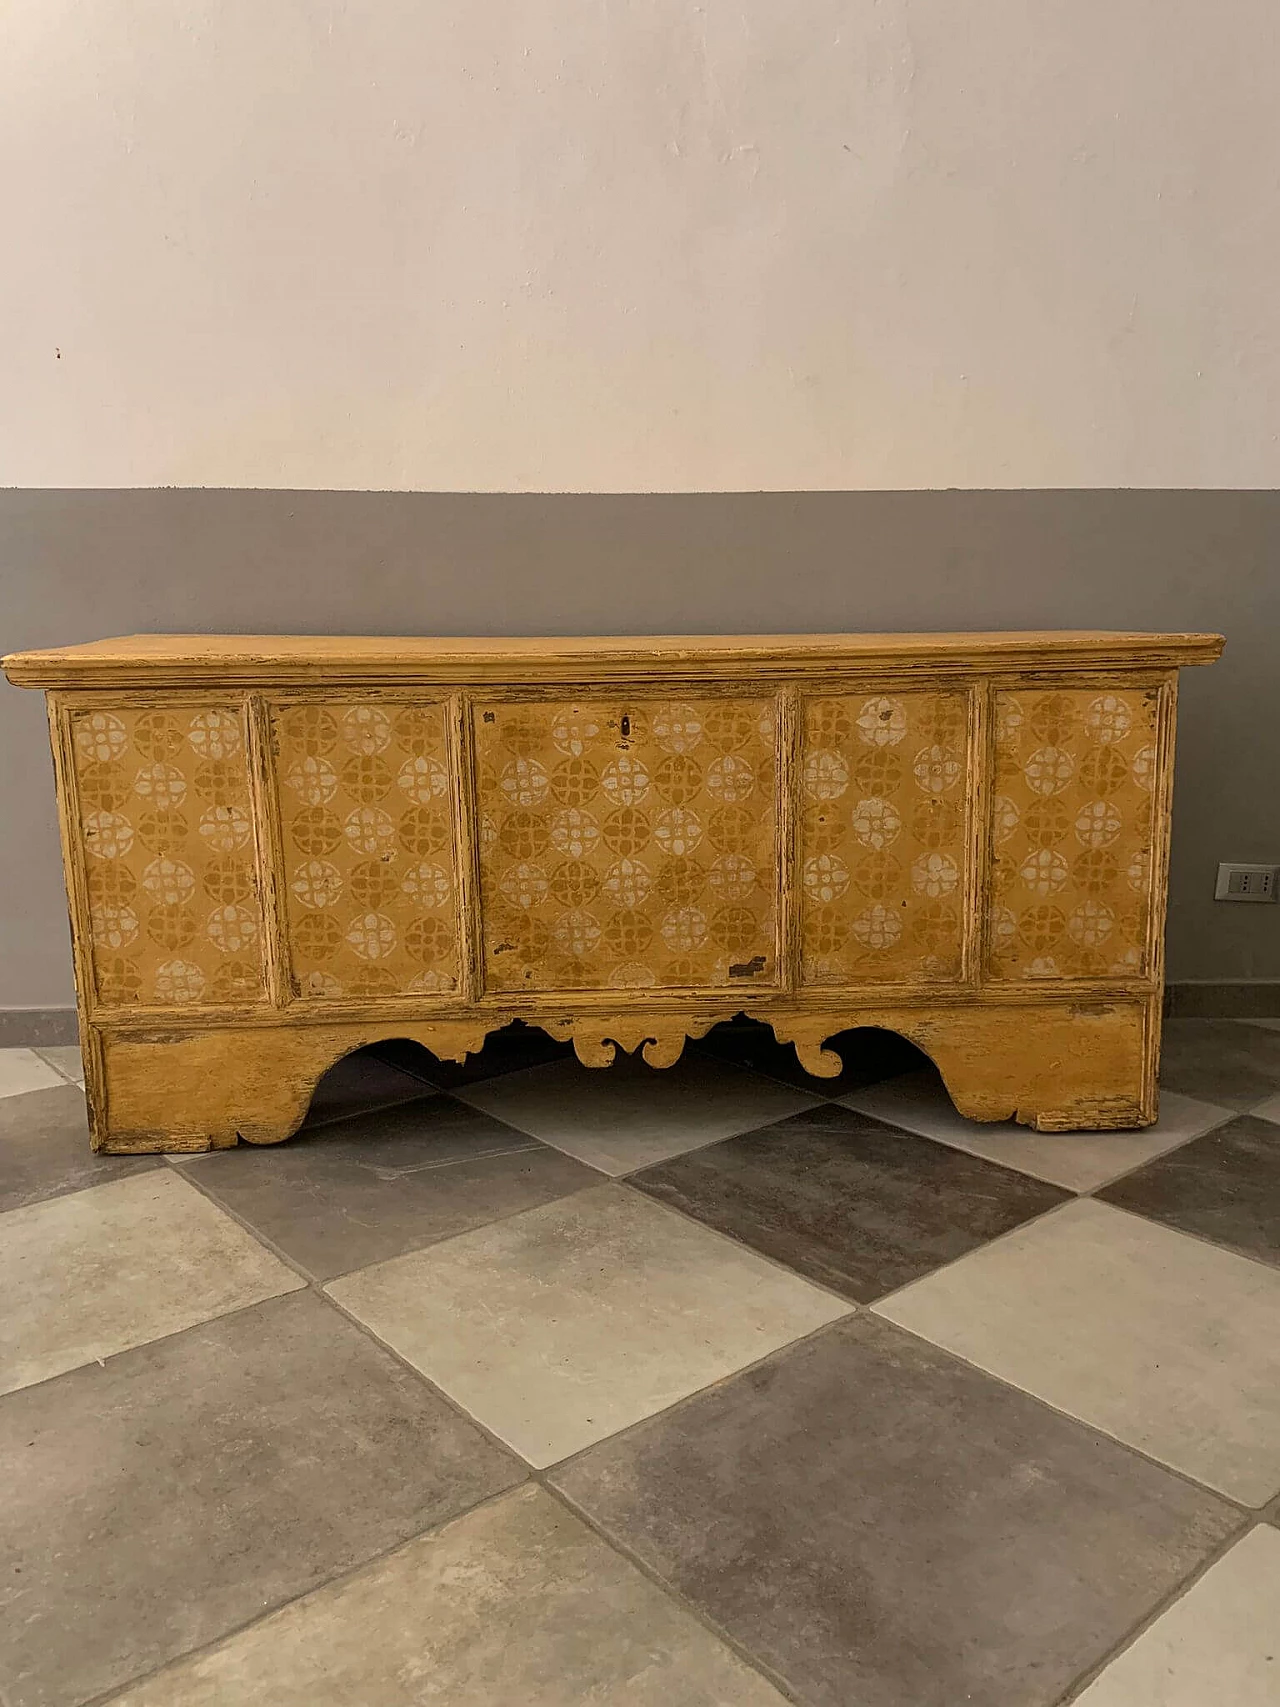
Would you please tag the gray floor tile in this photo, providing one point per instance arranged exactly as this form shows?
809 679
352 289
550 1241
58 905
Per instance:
1219 1643
155 1503
357 1083
89 1274
888 1528
356 1192
515 1605
847 1201
1164 1341
44 1148
1225 1186
630 1115
564 1324
22 1070
509 1050
66 1058
869 1055
1077 1160
1219 1061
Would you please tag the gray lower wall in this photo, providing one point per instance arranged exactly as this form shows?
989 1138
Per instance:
78 565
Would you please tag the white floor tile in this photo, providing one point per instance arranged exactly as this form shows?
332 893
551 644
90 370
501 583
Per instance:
566 1323
1219 1644
23 1070
1077 1160
66 1058
98 1271
1157 1338
632 1115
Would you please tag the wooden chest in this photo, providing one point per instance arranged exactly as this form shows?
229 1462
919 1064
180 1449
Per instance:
280 849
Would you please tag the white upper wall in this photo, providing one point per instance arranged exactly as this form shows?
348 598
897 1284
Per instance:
639 244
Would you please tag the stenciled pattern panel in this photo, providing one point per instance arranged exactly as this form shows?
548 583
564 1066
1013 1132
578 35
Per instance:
367 825
883 781
1072 833
165 818
628 843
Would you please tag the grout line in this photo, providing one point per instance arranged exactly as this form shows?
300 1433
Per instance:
1188 1233
1091 1673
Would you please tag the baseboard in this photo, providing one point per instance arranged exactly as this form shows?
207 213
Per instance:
1254 998
37 1028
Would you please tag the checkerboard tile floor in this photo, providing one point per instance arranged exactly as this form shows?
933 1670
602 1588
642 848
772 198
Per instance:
518 1383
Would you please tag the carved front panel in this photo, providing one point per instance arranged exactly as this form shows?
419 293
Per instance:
627 843
369 848
165 822
883 782
1072 833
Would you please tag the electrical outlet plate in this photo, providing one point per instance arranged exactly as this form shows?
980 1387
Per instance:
1247 883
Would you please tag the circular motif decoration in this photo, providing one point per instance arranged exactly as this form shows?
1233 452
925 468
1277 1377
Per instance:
366 778
314 830
876 823
523 733
426 940
418 729
574 731
162 785
214 734
317 883
1003 928
224 829
309 729
1052 719
1048 770
1098 823
1040 927
574 781
100 736
107 835
430 982
1144 767
826 930
179 981
1046 822
232 929
684 929
826 775
934 874
313 780
1044 871
1004 818
878 928
168 881
625 781
366 729
877 875
728 726
372 936
369 830
1136 871
423 779
1091 923
228 880
732 877
115 924
574 832
575 883
677 728
1109 718
119 981
735 929
680 882
164 831
157 738
524 782
827 723
576 933
825 877
935 926
1095 870
104 788
110 883
322 985
877 771
1009 721
632 976
423 830
936 769
427 885
678 779
171 927
524 885
235 981
730 778
677 831
372 884
882 722
627 882
733 829
218 780
1103 770
627 932
522 834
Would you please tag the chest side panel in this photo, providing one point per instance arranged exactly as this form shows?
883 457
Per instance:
1072 832
883 837
368 833
628 842
166 826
